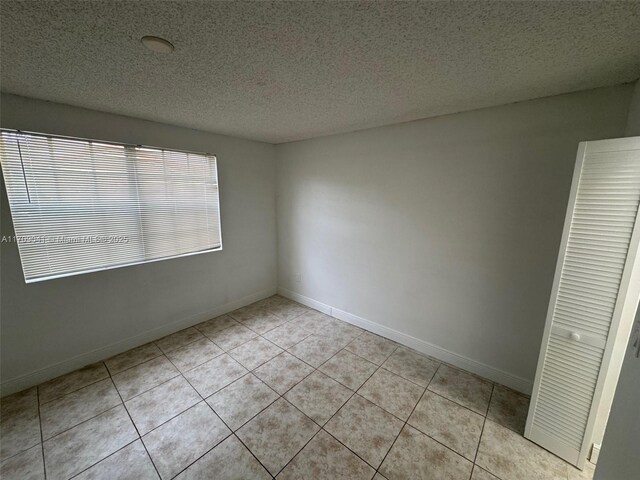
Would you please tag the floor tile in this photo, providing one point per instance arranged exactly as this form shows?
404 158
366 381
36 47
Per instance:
88 432
194 354
273 300
287 310
182 440
508 408
228 461
412 366
416 456
232 337
263 322
249 311
132 357
178 339
130 463
255 352
287 335
462 387
161 403
19 423
215 374
365 428
480 474
237 403
392 392
340 332
313 321
348 369
143 377
315 350
372 347
277 434
455 426
318 396
27 465
283 372
71 381
77 449
217 324
74 408
508 455
20 402
324 458
586 473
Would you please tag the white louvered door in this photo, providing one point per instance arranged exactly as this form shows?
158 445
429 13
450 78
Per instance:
593 301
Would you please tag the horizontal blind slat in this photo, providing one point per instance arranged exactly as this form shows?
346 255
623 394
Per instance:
74 201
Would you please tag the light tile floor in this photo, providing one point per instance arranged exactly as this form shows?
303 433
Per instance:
273 389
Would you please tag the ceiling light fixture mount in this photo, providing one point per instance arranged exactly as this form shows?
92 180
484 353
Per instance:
157 44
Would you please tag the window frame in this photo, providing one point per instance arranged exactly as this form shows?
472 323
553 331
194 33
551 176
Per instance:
127 148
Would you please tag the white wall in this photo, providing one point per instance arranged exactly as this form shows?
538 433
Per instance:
52 327
445 230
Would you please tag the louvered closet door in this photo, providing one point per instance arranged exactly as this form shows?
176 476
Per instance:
593 301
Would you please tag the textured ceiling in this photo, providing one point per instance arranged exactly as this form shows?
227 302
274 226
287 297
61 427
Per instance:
282 71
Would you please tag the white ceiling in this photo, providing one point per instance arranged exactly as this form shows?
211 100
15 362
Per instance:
283 71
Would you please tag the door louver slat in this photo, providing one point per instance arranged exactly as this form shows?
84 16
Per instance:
592 266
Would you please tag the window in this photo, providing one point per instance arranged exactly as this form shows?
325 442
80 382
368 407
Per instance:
80 206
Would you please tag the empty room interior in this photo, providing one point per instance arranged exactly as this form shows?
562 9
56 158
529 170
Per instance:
319 240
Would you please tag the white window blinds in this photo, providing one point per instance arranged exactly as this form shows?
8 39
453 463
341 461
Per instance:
80 206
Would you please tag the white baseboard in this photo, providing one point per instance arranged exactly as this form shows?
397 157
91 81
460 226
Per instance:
507 379
47 373
595 453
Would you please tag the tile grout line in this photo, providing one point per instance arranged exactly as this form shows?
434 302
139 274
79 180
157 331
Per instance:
109 375
224 351
303 447
104 458
76 389
233 432
248 449
44 463
406 422
151 388
438 441
355 392
93 417
164 354
136 427
83 421
459 404
203 399
321 427
155 342
432 438
484 422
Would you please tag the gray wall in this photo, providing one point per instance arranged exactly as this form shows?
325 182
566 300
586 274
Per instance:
621 446
55 326
633 119
446 229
